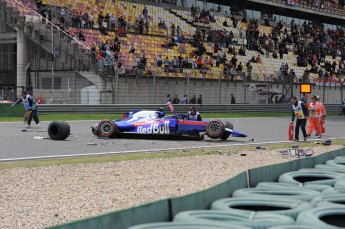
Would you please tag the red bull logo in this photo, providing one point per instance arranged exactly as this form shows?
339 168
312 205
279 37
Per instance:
155 129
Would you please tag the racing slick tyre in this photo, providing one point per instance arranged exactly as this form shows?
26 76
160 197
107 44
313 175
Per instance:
215 129
325 216
274 185
107 128
255 221
59 130
253 205
311 176
183 225
227 134
296 193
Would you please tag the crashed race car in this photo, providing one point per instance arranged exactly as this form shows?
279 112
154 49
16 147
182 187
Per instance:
141 122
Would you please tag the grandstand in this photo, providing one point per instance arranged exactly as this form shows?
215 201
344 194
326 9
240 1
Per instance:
61 46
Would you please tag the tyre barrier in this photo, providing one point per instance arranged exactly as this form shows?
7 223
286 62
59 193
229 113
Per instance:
312 198
337 198
279 192
59 130
273 185
337 162
293 227
255 221
310 176
273 205
337 169
183 225
325 216
340 184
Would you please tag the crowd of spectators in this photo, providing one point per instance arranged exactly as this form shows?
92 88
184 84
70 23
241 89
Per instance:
310 42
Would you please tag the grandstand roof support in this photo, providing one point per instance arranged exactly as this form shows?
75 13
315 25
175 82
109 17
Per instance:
22 56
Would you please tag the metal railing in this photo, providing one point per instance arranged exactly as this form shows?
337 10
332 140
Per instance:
123 108
60 40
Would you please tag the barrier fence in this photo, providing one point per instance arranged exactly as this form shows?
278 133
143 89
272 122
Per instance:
72 87
123 108
165 210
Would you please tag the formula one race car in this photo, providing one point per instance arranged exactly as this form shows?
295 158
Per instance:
156 123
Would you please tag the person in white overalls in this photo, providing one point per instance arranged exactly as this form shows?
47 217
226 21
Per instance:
30 106
301 113
193 115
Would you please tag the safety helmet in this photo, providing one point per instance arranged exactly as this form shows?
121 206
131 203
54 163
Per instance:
316 97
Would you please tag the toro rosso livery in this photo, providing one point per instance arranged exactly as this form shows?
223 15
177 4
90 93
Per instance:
156 123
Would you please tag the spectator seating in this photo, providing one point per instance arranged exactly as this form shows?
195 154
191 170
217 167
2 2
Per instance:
151 45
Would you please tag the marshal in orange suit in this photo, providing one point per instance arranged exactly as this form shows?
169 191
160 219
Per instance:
316 112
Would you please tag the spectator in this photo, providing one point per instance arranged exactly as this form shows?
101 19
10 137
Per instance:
81 36
240 70
136 64
182 48
147 25
143 62
176 100
112 22
184 100
159 61
168 99
91 20
258 59
200 100
122 32
249 72
193 100
178 31
233 99
100 19
173 28
99 60
62 16
131 48
107 20
145 13
166 64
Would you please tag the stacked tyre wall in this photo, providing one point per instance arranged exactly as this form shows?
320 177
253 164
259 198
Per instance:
304 193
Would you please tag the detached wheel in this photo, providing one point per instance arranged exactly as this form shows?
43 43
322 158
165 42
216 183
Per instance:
106 128
215 129
227 134
59 130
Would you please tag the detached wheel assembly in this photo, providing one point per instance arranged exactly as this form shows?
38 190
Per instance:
59 130
106 128
215 129
227 134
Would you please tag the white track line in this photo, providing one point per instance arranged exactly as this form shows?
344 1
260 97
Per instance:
149 150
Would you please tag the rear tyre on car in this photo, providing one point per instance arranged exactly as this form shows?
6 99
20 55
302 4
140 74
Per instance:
59 130
106 128
215 129
227 134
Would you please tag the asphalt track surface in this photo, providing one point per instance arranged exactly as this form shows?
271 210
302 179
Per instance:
16 144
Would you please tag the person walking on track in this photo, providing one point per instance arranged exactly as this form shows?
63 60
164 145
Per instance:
30 107
317 112
299 112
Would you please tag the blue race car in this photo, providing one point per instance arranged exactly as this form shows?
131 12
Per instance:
156 123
